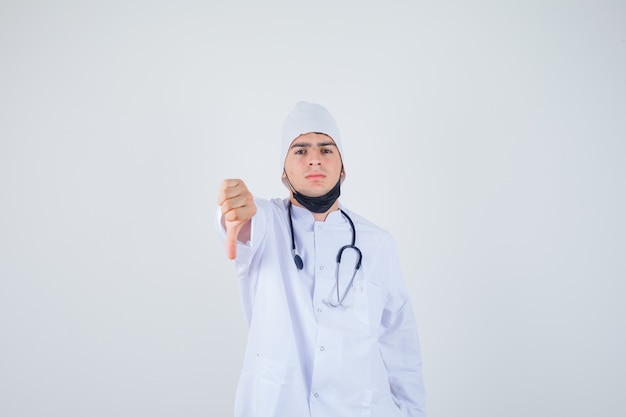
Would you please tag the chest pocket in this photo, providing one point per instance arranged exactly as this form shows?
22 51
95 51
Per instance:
368 303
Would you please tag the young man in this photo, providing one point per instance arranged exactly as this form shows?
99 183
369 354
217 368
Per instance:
331 328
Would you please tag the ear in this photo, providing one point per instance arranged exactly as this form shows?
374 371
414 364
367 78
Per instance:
285 181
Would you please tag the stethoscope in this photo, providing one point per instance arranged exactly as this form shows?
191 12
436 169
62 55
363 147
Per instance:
300 264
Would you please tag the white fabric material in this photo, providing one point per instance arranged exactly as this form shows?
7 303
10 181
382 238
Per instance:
306 118
305 358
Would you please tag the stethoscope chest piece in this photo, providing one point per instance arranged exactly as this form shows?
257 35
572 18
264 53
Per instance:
298 261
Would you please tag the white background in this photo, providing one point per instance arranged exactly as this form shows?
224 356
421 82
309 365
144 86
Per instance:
488 137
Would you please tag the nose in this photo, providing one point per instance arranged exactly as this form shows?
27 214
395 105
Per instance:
314 157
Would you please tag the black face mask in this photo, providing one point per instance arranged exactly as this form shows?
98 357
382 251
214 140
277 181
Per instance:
319 204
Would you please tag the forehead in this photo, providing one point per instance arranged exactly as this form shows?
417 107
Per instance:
313 138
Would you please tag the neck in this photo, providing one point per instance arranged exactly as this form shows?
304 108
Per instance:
319 217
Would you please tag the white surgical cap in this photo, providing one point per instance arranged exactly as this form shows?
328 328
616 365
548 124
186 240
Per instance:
306 118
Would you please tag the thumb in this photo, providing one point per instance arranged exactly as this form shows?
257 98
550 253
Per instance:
232 231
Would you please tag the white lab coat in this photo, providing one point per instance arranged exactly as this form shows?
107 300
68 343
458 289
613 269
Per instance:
305 358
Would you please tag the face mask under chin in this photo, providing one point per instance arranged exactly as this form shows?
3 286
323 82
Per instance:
319 204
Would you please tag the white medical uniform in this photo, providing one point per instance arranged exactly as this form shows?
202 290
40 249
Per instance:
306 358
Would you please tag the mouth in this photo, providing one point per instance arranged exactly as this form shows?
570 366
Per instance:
316 176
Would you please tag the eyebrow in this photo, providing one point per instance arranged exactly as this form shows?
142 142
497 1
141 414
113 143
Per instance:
309 145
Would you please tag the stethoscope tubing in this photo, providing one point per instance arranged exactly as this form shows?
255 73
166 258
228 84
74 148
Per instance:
300 264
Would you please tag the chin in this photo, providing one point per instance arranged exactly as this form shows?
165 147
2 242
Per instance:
314 192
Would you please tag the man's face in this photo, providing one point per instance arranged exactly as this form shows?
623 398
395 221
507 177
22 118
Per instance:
313 164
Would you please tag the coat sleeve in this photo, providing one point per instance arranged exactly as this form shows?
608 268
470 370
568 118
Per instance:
399 344
247 259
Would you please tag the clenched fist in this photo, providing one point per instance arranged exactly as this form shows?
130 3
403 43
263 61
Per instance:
237 204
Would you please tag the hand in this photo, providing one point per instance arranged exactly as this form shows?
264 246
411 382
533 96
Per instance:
237 204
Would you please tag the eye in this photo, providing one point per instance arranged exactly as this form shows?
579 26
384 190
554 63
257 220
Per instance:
327 150
299 152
